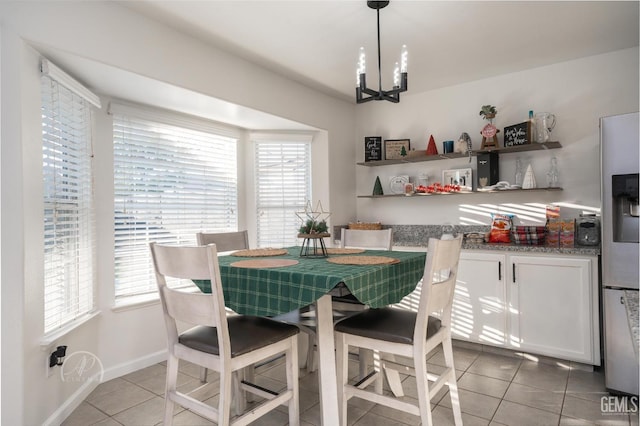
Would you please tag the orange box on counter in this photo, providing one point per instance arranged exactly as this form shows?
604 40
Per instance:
568 232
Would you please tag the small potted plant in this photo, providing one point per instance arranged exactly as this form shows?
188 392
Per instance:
488 112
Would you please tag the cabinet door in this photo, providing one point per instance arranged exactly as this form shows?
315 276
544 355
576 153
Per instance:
479 313
551 306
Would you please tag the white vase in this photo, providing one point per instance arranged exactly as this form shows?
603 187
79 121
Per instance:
529 180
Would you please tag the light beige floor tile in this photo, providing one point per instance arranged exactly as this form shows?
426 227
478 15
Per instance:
188 418
396 415
312 415
157 383
483 384
148 413
510 413
591 411
570 421
372 419
146 373
126 397
107 422
85 414
462 358
107 387
542 376
443 416
476 404
535 397
496 366
586 385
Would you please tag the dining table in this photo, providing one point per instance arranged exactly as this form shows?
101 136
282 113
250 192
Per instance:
258 286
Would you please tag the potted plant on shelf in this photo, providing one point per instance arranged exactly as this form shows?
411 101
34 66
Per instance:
488 112
489 131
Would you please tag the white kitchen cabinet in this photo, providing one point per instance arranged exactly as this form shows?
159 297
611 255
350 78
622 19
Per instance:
543 304
479 307
552 307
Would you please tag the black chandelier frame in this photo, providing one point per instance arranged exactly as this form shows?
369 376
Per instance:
392 95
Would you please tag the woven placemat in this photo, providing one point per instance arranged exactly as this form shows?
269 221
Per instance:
363 260
264 263
261 252
338 250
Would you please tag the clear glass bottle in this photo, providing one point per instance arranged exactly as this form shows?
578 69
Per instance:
519 173
552 175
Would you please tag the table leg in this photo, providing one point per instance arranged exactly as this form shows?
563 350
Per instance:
327 362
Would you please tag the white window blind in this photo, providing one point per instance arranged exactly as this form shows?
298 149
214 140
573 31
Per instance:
68 205
283 187
170 182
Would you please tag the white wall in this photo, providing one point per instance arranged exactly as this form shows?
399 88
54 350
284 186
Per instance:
578 92
111 34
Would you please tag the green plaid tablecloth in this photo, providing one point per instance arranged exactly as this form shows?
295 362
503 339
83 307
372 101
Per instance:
273 291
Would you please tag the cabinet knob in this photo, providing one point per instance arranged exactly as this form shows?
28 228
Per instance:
621 300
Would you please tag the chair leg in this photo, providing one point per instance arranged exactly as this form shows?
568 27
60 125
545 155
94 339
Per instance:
365 359
393 377
424 398
292 382
237 395
453 385
172 378
342 374
250 376
311 354
225 401
203 374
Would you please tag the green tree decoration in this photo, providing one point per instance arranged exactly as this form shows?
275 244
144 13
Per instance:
403 152
377 187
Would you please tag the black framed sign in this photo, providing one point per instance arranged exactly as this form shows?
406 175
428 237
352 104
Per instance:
518 134
373 148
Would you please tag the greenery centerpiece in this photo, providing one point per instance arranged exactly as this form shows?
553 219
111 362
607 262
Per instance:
311 227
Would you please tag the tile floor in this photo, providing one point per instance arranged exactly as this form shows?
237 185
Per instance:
495 389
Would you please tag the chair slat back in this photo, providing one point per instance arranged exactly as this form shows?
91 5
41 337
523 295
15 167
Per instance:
224 241
381 239
438 283
193 263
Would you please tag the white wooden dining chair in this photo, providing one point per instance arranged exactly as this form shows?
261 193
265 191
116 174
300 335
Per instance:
221 343
224 241
396 332
381 239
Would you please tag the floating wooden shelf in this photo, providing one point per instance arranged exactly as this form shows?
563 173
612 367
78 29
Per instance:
421 158
447 194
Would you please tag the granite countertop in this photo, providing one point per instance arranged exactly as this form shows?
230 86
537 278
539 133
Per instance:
631 302
526 248
418 236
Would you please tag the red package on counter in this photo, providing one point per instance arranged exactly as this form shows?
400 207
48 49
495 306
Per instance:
501 228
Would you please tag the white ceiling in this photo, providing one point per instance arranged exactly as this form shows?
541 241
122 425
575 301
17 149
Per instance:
316 43
450 42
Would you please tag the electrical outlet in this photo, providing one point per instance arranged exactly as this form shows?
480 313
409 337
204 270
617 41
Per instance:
49 370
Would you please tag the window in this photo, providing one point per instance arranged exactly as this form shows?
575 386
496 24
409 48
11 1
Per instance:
69 236
171 179
283 187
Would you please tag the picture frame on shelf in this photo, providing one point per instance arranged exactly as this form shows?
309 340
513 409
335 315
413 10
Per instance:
372 148
518 134
462 177
393 148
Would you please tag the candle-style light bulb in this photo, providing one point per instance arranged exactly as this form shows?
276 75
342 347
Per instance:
362 65
396 75
404 56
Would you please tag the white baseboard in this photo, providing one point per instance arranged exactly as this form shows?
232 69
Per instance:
89 385
134 365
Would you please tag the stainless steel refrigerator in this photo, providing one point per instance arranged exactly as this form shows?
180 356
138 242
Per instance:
619 142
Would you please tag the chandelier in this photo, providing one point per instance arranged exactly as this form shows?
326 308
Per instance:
399 72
